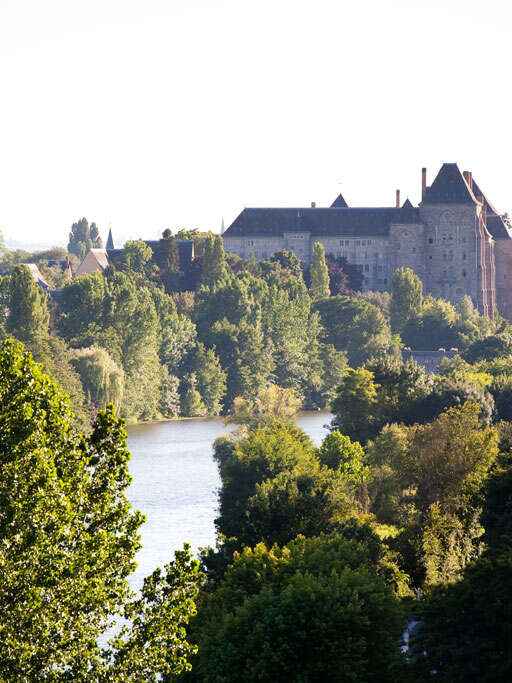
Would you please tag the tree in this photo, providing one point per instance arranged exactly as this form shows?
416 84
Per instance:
169 394
406 299
68 541
434 328
490 348
317 609
340 267
28 317
102 378
467 625
289 261
211 379
445 466
134 259
339 452
191 402
355 326
319 273
167 259
214 268
355 405
83 237
262 454
338 279
308 500
272 403
380 299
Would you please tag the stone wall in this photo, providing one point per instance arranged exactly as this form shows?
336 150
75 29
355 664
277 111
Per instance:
503 261
452 252
429 360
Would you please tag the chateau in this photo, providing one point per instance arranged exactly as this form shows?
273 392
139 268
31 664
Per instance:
455 240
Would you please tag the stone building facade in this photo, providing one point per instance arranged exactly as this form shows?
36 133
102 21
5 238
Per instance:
455 240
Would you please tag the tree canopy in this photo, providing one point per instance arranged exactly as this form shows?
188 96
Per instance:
83 237
68 542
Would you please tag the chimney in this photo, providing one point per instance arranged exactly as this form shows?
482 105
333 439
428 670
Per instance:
468 177
423 182
398 199
313 205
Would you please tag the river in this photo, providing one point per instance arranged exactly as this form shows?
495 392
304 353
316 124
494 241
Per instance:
175 484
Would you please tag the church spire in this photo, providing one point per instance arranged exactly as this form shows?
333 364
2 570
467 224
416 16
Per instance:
110 242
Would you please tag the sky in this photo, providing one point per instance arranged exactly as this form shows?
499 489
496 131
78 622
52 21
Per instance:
154 114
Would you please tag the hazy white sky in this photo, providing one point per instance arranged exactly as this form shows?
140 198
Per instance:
173 113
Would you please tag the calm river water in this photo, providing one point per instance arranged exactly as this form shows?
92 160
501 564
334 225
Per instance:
175 483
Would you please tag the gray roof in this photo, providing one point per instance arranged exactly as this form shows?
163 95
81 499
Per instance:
449 187
320 221
339 202
495 223
110 241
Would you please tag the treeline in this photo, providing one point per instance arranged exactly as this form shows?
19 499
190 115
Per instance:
157 343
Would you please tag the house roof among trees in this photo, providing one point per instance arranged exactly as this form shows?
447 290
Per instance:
37 275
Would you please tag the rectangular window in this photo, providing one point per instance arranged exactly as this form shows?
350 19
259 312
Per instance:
363 243
366 268
358 243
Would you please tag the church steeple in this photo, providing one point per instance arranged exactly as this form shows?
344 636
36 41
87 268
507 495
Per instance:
110 242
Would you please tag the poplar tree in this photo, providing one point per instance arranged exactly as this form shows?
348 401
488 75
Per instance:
406 299
28 317
319 273
83 237
214 261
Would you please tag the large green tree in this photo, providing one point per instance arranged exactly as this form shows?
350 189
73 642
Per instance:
213 261
355 326
319 273
68 538
355 405
468 625
83 237
28 318
406 298
317 609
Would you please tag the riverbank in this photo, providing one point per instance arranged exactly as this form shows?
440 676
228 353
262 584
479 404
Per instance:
175 482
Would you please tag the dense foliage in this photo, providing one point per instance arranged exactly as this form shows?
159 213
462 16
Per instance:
68 538
320 547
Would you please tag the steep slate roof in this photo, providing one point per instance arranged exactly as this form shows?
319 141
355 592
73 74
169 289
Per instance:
37 275
495 223
347 221
110 241
449 187
339 202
